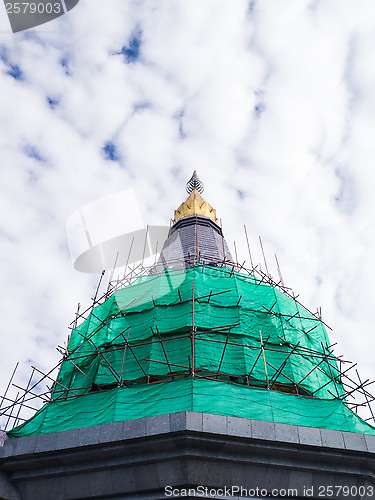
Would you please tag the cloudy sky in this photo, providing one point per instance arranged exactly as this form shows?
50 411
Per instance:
273 103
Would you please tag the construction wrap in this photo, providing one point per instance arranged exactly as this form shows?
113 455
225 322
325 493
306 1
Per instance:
201 339
201 395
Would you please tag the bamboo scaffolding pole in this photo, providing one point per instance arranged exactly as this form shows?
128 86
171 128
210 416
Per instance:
10 415
198 370
330 370
312 352
76 318
117 336
135 357
282 366
113 270
256 361
83 373
162 345
292 381
23 398
99 283
127 260
29 391
169 234
361 388
311 371
264 257
112 371
165 363
343 402
144 247
278 270
248 247
104 322
125 348
55 381
222 239
24 404
223 353
156 252
235 250
9 383
264 359
289 316
193 333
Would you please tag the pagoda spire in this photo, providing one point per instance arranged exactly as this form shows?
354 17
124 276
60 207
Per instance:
194 183
195 235
195 204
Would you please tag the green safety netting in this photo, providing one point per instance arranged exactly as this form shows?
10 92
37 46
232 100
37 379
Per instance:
140 339
135 316
200 395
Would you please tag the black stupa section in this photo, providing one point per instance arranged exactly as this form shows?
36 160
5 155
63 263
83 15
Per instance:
194 239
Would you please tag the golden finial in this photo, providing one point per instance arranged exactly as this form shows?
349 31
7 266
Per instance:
195 204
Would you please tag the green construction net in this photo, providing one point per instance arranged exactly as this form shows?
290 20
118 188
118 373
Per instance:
200 395
253 352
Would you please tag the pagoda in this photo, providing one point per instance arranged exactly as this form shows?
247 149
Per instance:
192 372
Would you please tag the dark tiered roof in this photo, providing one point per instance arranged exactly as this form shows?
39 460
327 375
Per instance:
194 239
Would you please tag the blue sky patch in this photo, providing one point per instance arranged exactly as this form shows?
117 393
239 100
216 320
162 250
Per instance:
110 151
259 108
52 102
65 64
179 116
13 70
131 52
240 194
252 5
141 106
32 152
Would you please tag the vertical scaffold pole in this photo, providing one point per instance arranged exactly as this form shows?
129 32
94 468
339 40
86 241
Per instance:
222 239
193 335
170 228
235 251
248 247
10 381
23 397
127 260
264 359
264 257
279 270
144 248
112 272
96 292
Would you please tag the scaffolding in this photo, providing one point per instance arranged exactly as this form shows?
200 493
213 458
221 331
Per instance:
266 361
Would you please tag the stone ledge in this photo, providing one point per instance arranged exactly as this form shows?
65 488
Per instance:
190 421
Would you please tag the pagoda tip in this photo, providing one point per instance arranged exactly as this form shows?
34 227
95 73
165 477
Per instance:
194 183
